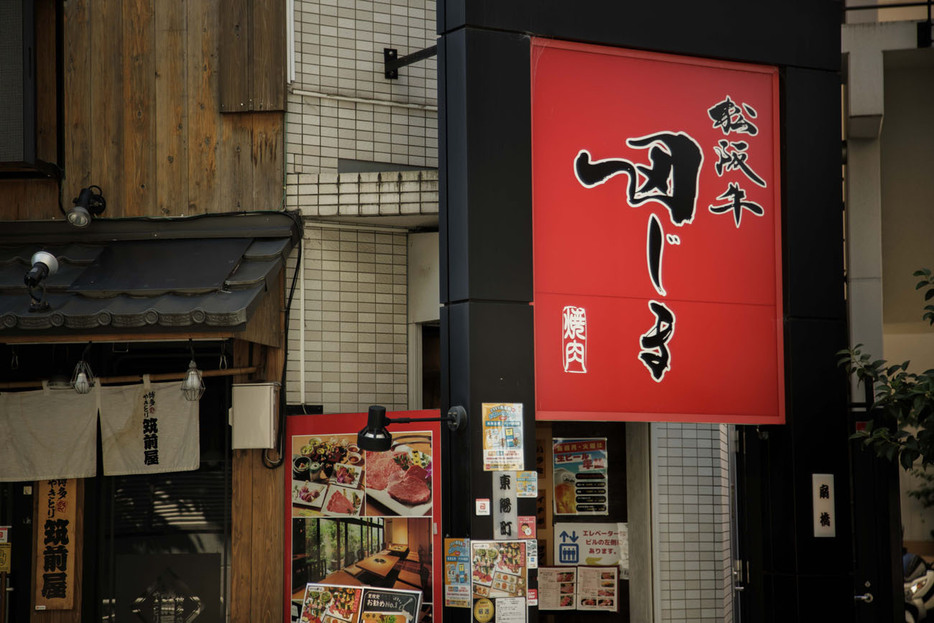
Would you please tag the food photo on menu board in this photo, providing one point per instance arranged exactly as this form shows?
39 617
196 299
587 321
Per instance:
332 476
362 520
498 568
353 604
597 588
330 604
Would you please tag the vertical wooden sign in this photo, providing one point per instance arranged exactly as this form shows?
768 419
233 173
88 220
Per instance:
55 544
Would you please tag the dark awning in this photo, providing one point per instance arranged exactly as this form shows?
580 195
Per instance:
207 272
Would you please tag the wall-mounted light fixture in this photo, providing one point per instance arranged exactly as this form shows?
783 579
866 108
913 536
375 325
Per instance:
44 265
88 204
376 438
83 379
192 384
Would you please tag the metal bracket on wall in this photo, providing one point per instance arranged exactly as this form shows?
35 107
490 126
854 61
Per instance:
392 62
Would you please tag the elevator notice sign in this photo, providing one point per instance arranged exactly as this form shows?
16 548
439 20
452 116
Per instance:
590 543
656 218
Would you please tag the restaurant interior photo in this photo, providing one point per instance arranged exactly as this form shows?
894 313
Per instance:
372 551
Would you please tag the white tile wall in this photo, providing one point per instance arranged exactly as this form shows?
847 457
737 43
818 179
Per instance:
354 352
352 306
691 470
330 195
339 57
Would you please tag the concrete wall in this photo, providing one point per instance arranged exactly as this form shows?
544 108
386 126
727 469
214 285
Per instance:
890 223
907 142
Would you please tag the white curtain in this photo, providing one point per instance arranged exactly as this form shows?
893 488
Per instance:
48 434
148 429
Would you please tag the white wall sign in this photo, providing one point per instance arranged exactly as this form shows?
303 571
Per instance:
505 516
825 519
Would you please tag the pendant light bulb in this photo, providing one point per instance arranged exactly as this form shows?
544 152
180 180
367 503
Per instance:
82 379
193 385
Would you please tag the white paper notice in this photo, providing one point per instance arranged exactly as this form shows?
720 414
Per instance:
510 610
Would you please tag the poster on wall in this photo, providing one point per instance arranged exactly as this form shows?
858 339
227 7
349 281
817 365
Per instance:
580 476
332 476
457 573
498 568
527 484
502 436
361 518
597 588
389 606
55 544
557 588
579 588
324 603
656 212
591 543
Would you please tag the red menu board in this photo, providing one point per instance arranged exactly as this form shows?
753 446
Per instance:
657 237
360 518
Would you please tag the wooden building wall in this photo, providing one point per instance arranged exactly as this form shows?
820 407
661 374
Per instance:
142 91
142 85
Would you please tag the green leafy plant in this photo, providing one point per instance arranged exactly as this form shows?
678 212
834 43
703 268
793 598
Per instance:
904 399
925 491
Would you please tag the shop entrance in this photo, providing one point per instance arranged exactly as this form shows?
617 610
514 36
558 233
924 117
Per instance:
582 522
157 545
16 538
143 545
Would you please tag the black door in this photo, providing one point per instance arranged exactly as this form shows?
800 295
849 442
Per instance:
16 502
878 587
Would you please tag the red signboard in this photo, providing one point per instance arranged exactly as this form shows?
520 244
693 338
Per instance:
657 237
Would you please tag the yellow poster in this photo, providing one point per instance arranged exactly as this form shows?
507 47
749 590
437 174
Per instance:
5 557
502 436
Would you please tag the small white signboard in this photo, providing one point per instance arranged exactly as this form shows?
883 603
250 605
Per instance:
587 543
825 519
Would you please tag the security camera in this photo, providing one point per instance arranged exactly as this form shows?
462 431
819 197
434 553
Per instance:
44 265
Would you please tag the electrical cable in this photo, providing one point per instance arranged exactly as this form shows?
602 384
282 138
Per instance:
280 432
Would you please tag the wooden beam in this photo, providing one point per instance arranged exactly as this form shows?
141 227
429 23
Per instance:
139 113
262 327
115 337
268 55
203 115
241 513
171 95
236 61
268 502
77 98
132 378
